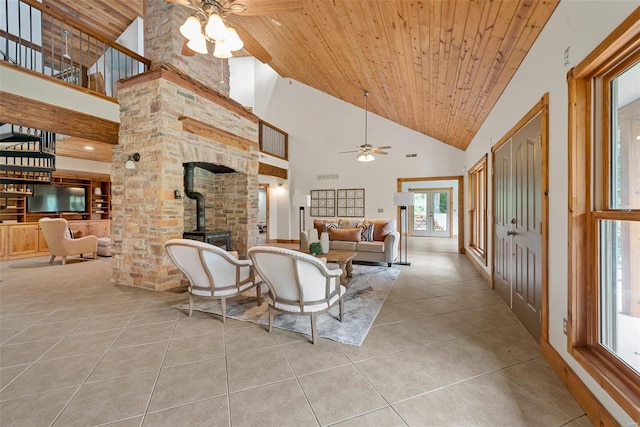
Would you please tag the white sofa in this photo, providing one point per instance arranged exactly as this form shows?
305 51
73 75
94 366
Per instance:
384 247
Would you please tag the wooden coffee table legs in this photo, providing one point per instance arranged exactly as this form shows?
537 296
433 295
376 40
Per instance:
347 271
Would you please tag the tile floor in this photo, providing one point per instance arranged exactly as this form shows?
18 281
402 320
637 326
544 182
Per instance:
76 350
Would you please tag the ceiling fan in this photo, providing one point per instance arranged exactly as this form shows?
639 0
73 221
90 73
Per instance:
366 151
210 23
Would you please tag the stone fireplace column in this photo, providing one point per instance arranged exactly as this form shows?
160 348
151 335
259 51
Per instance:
170 116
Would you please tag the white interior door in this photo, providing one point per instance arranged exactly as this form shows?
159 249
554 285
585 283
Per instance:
431 213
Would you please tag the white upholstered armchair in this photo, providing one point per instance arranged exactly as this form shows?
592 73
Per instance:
55 231
212 272
298 283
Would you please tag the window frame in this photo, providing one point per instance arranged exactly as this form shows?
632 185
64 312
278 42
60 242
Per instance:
589 202
475 220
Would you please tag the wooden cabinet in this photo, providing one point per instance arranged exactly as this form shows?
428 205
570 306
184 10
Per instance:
100 199
98 228
25 240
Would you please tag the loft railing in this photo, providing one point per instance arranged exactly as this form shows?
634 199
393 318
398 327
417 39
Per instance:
273 141
44 41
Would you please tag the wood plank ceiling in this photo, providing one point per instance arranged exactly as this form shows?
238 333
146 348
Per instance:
435 66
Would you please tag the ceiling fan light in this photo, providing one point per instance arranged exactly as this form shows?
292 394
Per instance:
222 50
366 157
191 28
198 44
215 28
233 40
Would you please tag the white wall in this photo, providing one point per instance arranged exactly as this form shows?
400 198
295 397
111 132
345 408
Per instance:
320 126
582 25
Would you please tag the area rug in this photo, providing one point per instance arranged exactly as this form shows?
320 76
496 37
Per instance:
366 292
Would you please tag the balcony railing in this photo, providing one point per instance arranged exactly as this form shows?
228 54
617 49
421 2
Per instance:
273 141
43 41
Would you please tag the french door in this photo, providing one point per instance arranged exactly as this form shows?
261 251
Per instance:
518 224
431 213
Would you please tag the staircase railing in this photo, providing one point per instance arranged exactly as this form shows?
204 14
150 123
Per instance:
50 43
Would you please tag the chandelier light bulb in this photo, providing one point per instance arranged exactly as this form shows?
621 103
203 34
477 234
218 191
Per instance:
222 50
198 44
233 40
215 28
366 158
191 28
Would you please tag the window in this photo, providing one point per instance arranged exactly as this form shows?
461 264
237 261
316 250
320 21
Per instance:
604 220
478 209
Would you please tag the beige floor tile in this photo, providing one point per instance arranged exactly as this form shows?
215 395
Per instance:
382 340
194 349
440 408
211 412
19 354
127 397
458 359
471 322
65 314
249 338
385 417
581 421
154 316
7 334
399 376
129 422
135 335
10 373
38 410
504 403
129 360
509 344
537 378
51 375
198 324
103 323
437 305
20 320
306 358
91 343
339 394
118 308
256 368
183 384
397 312
45 331
280 404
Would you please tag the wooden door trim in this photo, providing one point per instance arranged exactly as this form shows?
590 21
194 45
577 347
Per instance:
267 202
460 179
542 108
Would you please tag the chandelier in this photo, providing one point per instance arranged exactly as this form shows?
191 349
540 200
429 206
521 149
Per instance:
208 24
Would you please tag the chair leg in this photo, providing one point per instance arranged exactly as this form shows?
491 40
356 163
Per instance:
64 260
190 304
313 328
270 317
95 255
341 303
223 301
259 294
53 257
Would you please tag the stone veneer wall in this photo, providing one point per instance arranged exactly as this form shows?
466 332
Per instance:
163 45
145 213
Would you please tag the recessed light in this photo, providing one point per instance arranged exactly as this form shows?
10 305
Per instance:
276 22
87 147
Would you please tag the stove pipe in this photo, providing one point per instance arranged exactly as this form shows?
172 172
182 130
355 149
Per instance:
189 169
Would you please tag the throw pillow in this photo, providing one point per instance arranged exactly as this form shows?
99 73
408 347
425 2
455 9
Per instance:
366 231
329 225
345 234
382 228
318 225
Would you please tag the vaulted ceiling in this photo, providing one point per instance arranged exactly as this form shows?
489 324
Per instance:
435 66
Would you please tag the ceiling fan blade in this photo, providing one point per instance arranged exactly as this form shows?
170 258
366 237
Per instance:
384 147
353 151
271 7
186 51
251 45
193 4
384 153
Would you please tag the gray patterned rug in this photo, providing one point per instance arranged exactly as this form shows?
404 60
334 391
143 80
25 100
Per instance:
366 293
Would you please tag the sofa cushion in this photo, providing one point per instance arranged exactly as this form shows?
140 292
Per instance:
339 245
381 228
344 234
366 231
370 247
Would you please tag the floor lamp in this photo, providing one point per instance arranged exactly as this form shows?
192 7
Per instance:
403 200
302 200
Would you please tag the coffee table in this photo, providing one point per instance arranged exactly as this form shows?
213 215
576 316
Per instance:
344 260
